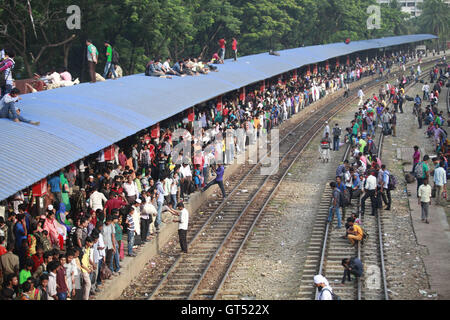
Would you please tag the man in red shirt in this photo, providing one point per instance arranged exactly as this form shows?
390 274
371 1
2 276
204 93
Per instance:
222 43
114 203
234 48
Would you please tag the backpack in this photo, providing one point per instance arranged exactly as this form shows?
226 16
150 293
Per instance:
115 57
337 132
5 73
346 197
418 171
392 182
365 235
333 295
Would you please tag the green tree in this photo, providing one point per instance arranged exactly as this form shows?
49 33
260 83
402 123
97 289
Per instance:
435 18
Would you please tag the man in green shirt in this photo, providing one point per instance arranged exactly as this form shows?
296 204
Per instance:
109 66
422 172
92 57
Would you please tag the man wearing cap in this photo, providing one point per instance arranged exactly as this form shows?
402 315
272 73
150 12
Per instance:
325 291
326 129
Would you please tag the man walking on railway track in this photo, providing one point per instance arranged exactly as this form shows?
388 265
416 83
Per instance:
370 190
325 145
337 131
335 204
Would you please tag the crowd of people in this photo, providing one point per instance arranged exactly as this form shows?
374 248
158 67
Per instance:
364 176
128 190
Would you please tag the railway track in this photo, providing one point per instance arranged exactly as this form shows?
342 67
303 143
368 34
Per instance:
328 248
221 236
216 237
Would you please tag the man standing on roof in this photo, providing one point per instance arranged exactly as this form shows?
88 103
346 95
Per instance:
109 65
222 43
6 65
92 57
9 110
234 48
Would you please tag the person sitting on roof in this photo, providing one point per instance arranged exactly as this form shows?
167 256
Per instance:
216 59
168 70
188 67
159 68
151 69
36 85
9 108
198 66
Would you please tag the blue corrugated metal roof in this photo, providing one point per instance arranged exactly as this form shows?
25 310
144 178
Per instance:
80 120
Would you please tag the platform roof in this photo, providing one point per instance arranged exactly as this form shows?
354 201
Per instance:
80 120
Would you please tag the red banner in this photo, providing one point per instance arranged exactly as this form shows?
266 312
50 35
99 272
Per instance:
191 115
109 153
155 131
262 86
40 189
242 94
294 76
327 65
219 104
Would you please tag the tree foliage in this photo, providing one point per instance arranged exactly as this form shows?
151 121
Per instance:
145 29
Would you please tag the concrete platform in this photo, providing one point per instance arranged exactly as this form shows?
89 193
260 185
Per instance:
435 236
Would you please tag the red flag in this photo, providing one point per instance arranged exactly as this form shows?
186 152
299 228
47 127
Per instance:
242 94
191 115
155 131
39 189
109 153
219 104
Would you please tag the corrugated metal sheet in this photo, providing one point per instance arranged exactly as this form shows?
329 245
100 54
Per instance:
80 120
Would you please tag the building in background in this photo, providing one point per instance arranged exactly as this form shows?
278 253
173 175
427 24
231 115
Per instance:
409 6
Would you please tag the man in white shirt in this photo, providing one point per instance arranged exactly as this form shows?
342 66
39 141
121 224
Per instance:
183 213
440 181
147 210
425 199
130 189
325 291
96 200
370 190
361 97
426 91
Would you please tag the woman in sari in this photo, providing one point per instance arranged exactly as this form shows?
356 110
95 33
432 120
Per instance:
65 191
